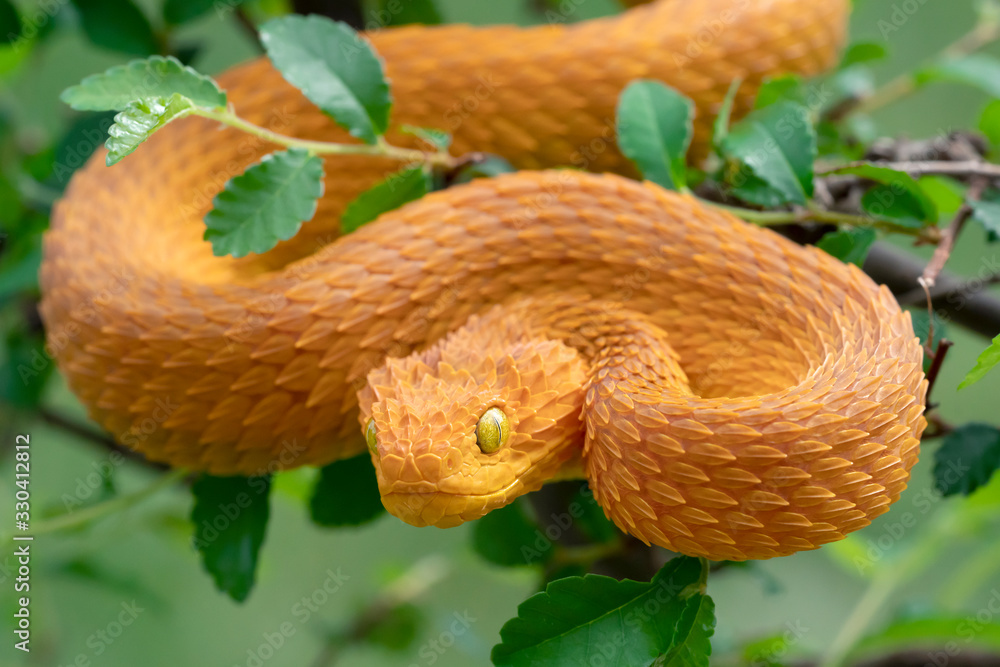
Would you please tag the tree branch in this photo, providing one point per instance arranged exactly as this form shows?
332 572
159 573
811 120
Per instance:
964 303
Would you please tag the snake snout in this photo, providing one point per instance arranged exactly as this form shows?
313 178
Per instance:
466 426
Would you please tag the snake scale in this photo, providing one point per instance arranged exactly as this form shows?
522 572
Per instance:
726 392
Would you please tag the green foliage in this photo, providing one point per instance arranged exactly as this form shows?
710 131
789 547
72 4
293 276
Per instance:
849 245
397 630
335 68
989 123
509 537
787 87
406 12
25 369
977 70
897 196
987 213
438 139
230 519
624 622
720 128
346 493
989 358
777 145
951 633
10 22
967 459
139 120
863 52
654 131
398 189
265 204
118 25
155 77
177 12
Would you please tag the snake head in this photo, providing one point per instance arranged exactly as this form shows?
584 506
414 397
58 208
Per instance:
467 425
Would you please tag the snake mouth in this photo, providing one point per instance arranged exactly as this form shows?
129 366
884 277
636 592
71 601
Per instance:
445 509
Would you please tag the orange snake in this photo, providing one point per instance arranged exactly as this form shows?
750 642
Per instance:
726 392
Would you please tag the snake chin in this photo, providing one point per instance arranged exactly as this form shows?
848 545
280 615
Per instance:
425 409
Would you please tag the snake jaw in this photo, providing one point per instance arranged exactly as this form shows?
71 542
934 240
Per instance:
426 408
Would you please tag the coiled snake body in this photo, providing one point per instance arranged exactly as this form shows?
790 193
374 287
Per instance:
726 392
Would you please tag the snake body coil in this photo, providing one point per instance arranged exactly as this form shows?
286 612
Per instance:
726 392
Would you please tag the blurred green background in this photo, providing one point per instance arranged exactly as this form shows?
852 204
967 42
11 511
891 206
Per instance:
143 556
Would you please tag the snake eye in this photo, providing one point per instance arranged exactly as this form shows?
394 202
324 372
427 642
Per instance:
492 430
370 436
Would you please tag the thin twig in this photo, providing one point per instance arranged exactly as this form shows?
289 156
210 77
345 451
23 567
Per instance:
81 517
947 244
915 296
79 430
964 169
932 373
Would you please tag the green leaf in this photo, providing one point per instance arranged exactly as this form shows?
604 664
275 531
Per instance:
966 459
10 23
20 273
265 204
508 537
849 245
863 52
946 194
987 213
398 189
335 68
625 622
25 369
117 25
746 186
405 12
87 133
655 130
989 122
784 87
850 83
177 12
141 79
778 145
230 519
989 358
346 493
139 120
977 70
721 126
897 196
693 646
439 139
